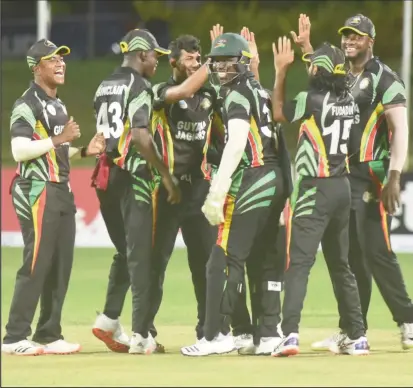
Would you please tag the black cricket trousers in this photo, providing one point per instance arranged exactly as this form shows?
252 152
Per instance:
320 213
110 208
199 237
370 253
46 213
247 238
127 208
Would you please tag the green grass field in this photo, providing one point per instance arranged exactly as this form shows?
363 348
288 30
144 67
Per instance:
387 365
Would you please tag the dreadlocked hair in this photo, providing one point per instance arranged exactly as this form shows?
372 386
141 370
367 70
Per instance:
325 81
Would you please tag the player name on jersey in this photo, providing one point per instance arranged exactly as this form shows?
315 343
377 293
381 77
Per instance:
109 90
346 110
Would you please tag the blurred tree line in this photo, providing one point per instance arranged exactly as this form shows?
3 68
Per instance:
271 19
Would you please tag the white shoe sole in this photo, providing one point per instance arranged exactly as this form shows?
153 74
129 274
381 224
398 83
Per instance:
207 354
62 352
38 352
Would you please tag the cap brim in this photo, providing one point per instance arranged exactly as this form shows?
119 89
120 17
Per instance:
348 28
162 51
62 50
307 57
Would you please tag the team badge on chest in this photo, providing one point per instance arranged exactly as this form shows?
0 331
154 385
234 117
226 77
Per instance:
364 83
51 109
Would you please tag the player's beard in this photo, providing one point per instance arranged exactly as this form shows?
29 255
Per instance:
360 57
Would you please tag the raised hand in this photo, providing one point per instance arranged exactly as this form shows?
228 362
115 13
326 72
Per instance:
303 38
250 38
216 31
283 54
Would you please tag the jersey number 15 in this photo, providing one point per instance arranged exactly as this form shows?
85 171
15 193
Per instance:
339 131
109 120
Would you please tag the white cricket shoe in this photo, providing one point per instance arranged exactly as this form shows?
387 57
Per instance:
289 346
331 343
61 347
140 345
221 344
358 347
243 341
111 332
406 331
23 348
266 346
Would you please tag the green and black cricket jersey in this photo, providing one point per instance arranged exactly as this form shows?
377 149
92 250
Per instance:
248 101
123 101
324 132
37 116
374 88
180 129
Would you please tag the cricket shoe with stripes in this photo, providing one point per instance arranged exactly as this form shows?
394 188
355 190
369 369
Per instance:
61 347
357 347
23 348
289 346
221 344
329 344
264 348
243 341
141 345
111 333
406 331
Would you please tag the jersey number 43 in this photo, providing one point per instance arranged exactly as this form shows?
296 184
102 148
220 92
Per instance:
109 120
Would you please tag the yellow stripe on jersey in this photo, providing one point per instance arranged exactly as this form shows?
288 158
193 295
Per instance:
50 156
160 124
257 147
369 134
317 141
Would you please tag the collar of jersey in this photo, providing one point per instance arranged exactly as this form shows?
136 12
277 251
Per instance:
371 63
128 70
41 92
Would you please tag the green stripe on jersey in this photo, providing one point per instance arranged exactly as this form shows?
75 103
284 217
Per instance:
239 99
23 111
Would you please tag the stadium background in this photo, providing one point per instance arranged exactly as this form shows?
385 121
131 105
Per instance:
90 28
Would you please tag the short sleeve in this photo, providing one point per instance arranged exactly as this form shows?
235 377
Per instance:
22 121
297 108
237 106
159 95
140 109
392 90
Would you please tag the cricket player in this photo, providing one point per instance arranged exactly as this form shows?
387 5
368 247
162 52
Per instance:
182 113
245 200
377 152
321 199
123 106
41 133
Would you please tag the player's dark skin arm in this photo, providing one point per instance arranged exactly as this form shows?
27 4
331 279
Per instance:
143 141
391 191
278 96
189 87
